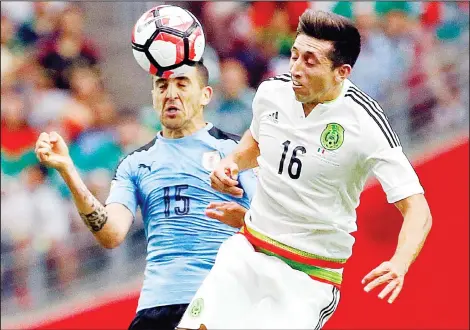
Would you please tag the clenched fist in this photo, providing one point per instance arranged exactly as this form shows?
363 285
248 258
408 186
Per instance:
52 151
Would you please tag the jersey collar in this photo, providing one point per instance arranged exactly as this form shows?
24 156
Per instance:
185 138
344 88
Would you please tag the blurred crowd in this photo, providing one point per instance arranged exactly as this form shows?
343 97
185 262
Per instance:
414 61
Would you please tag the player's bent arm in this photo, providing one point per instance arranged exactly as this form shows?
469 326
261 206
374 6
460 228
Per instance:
109 224
417 222
246 153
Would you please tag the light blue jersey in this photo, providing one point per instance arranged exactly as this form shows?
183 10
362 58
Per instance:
169 180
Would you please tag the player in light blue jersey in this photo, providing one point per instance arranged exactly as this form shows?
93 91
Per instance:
169 180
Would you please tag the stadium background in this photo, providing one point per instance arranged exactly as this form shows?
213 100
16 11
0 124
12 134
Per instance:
69 67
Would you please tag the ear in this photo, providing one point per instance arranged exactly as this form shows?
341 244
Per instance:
206 96
342 72
152 91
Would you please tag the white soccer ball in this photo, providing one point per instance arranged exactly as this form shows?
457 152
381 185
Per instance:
167 40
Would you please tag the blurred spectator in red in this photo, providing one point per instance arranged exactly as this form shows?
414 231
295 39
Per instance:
230 108
69 48
227 15
17 137
263 11
235 39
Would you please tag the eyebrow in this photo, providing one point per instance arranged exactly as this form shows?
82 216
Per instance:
162 80
308 53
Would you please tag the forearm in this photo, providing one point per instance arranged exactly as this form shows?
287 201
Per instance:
416 226
246 153
92 212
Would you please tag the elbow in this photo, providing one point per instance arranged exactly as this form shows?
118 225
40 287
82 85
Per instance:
111 243
428 223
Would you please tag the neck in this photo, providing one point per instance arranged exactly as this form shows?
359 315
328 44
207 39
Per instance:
328 96
191 128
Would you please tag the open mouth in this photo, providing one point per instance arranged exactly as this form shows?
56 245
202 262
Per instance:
296 84
171 109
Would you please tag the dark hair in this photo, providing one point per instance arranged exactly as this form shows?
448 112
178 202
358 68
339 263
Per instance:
338 29
203 73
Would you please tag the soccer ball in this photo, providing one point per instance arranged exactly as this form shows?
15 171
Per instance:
167 40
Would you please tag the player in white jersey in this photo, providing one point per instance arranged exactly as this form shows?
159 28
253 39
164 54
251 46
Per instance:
316 138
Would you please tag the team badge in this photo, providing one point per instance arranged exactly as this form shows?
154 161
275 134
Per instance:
196 307
332 136
210 160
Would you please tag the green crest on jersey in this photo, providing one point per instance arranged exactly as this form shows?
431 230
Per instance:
196 307
332 136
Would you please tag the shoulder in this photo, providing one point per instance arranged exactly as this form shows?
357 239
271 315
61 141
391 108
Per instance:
218 134
373 120
273 92
128 160
279 82
222 141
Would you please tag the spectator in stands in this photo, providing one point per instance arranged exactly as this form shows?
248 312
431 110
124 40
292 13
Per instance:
11 57
376 61
17 137
88 93
231 107
40 26
35 220
69 48
130 132
47 102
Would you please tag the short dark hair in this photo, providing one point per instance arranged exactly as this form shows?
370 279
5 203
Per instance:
203 73
338 29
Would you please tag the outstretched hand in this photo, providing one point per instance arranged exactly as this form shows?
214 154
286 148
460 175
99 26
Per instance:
386 273
230 213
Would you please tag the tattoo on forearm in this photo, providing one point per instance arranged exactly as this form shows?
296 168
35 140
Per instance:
96 219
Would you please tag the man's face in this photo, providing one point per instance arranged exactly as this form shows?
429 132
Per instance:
179 99
312 72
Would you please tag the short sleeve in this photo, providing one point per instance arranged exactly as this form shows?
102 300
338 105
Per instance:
395 174
123 190
257 110
381 150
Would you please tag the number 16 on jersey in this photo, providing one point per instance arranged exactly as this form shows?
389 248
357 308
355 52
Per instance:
293 160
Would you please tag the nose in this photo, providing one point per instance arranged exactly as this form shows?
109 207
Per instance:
171 92
295 69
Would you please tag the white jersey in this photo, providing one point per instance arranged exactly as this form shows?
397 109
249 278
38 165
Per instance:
313 169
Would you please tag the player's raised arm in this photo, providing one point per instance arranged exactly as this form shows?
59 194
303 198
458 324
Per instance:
108 224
